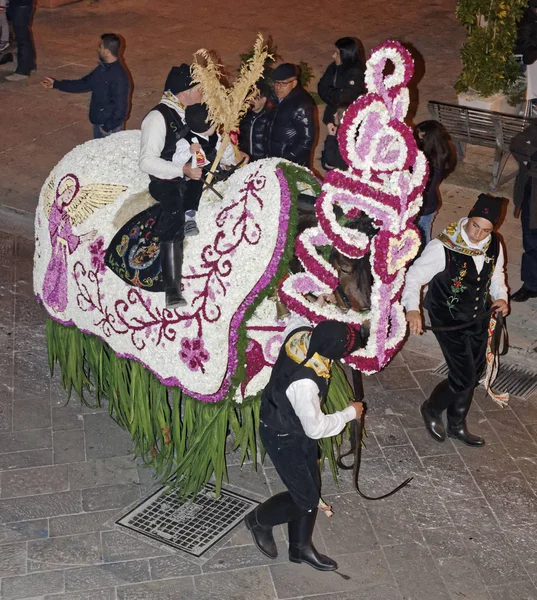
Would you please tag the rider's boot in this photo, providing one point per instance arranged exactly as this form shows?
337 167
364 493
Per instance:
456 418
171 258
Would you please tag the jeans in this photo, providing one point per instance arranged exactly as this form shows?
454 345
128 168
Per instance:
425 223
98 134
4 28
528 265
21 18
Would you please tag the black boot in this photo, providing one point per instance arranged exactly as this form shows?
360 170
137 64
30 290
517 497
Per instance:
276 510
171 259
431 410
301 548
456 416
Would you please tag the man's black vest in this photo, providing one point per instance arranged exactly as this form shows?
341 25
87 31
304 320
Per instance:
459 293
175 130
276 410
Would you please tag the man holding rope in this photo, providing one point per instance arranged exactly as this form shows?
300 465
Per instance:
464 270
291 422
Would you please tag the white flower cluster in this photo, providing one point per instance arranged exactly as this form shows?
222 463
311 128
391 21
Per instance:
134 322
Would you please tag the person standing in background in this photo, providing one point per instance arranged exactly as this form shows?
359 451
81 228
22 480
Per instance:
19 12
109 86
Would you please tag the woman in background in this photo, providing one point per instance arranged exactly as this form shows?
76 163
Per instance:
343 80
434 141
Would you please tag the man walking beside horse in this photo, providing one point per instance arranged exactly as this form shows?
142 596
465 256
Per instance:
464 269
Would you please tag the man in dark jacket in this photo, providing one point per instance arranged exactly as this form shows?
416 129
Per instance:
19 12
252 126
109 87
524 149
290 131
527 34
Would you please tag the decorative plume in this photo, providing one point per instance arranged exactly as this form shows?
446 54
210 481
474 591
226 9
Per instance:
227 106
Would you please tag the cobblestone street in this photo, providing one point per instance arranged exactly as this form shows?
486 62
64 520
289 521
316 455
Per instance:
466 527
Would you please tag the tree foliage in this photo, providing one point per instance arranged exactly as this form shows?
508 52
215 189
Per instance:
489 66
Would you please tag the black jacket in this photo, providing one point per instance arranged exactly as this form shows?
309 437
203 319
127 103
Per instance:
252 134
109 87
527 37
339 86
331 156
290 130
524 150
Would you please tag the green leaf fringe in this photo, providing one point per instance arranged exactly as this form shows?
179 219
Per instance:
183 439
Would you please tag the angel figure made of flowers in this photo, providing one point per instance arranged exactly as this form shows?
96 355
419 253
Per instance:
64 212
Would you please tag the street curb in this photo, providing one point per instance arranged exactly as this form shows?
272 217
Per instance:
17 222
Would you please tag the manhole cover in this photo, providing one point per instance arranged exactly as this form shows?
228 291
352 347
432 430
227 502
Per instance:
192 527
513 379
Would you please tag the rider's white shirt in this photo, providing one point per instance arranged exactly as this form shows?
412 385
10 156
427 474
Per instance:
152 144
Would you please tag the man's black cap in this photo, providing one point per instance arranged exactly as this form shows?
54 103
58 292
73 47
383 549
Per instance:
179 79
284 71
197 118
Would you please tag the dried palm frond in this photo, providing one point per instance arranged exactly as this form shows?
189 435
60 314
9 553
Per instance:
227 106
243 89
208 73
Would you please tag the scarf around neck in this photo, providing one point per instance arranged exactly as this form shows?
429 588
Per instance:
296 349
453 239
172 101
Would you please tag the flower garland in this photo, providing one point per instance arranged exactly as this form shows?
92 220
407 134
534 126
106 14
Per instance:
385 180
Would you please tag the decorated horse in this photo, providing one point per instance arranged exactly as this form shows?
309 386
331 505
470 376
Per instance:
182 380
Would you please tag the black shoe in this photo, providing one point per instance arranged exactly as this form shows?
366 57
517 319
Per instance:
301 548
461 433
262 534
433 424
523 294
191 228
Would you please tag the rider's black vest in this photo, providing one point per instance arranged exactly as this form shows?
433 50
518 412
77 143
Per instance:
176 130
276 410
459 293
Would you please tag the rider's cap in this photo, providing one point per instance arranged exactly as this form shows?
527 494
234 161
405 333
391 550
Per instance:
488 207
179 79
197 118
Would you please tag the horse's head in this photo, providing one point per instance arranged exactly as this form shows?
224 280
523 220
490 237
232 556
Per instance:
355 278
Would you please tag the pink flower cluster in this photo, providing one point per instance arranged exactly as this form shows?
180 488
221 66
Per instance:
385 180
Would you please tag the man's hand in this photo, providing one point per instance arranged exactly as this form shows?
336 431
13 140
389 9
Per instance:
244 157
323 299
501 306
332 129
188 171
48 83
415 321
358 407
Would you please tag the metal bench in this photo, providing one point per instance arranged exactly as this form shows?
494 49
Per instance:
480 128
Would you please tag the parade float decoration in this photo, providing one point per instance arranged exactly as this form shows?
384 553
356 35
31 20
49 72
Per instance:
385 181
180 380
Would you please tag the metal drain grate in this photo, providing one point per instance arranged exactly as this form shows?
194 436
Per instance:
192 527
513 379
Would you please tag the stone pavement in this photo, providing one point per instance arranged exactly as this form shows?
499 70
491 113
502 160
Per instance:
466 527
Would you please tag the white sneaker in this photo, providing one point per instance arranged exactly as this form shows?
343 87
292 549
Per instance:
4 46
16 77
